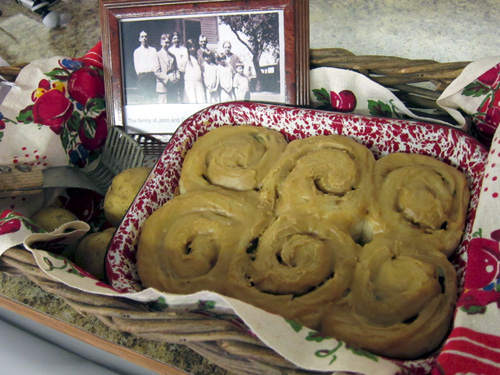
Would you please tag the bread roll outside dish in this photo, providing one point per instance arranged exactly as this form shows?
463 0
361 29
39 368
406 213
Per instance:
327 175
231 157
420 194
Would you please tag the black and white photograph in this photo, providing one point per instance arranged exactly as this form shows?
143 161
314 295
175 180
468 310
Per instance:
188 63
166 60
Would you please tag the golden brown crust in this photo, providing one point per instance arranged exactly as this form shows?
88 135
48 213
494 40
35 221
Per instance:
329 175
231 157
321 234
187 244
401 299
300 264
420 194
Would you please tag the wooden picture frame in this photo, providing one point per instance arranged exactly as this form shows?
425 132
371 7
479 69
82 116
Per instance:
279 33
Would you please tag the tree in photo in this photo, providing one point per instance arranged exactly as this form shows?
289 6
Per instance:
259 33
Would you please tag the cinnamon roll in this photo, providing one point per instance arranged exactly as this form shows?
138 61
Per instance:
401 299
327 175
420 194
188 244
231 157
299 265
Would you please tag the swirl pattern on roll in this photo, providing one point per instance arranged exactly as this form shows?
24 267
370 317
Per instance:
403 293
300 264
329 175
417 193
231 157
188 243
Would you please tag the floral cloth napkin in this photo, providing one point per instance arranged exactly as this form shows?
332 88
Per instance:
347 91
474 343
55 116
473 99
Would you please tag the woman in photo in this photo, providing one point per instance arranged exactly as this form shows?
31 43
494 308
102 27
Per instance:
194 91
225 75
210 77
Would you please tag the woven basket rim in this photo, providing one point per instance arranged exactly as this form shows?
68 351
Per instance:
220 341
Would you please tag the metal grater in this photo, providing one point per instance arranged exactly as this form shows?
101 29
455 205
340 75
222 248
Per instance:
120 152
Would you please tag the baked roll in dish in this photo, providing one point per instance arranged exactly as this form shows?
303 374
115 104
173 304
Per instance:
327 175
299 266
231 157
187 244
420 194
315 231
401 299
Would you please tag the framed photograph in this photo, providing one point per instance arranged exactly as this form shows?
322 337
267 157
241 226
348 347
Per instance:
165 60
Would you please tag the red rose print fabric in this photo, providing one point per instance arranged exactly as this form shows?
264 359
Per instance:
55 114
474 344
14 228
473 98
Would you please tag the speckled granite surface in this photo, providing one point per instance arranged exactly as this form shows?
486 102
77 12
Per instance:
23 37
19 288
447 30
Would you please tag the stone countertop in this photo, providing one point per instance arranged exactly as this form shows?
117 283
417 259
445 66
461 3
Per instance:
23 37
445 31
20 289
449 30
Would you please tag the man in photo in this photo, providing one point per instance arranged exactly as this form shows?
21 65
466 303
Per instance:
181 57
202 48
145 63
167 74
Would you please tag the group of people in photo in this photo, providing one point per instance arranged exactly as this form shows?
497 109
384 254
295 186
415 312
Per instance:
188 74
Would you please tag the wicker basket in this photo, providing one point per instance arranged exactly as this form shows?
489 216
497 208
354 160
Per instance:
10 73
417 83
220 341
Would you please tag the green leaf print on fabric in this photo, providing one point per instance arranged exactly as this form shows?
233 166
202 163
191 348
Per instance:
317 336
326 353
65 265
323 96
295 326
379 108
160 304
475 89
